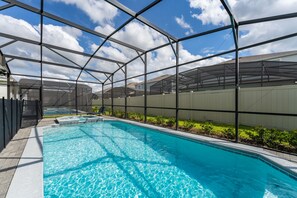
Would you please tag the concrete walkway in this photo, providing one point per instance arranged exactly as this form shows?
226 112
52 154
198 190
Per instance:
11 155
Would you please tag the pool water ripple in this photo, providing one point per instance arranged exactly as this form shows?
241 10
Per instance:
115 159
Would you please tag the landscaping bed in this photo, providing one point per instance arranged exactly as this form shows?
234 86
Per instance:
259 136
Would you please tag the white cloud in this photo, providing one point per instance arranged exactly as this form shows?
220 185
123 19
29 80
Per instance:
112 52
212 12
99 11
186 56
182 23
22 67
56 35
140 35
18 27
106 29
134 33
146 38
23 49
53 74
76 33
250 9
4 40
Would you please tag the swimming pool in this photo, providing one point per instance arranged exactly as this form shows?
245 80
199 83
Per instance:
116 159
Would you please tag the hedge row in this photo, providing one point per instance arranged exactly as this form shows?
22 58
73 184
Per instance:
260 136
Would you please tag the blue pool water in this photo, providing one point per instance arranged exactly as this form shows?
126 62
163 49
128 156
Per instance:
115 159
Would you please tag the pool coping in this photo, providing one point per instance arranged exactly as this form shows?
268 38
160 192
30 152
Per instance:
28 180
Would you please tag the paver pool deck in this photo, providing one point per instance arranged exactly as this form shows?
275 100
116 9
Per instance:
12 154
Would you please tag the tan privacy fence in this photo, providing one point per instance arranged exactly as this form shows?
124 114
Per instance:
278 99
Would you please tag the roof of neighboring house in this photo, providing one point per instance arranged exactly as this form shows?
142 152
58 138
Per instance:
263 57
156 79
4 79
24 82
132 84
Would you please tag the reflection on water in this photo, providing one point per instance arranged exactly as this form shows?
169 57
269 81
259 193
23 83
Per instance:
115 159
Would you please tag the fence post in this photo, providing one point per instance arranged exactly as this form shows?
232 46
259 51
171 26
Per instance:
36 107
145 88
3 111
102 96
112 110
177 86
76 102
22 110
11 119
17 116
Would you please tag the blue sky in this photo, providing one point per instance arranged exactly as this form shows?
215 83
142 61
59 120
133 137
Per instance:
180 18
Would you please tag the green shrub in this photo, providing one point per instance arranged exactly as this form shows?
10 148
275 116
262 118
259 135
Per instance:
119 114
251 135
229 133
151 120
135 116
131 116
140 117
262 137
293 138
170 122
188 124
108 111
273 138
95 109
270 138
159 120
246 135
207 127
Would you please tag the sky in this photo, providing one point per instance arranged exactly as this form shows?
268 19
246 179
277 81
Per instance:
179 18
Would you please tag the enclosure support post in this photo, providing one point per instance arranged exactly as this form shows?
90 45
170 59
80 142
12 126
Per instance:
102 96
41 59
22 110
112 95
36 106
76 96
177 87
145 87
224 76
3 113
237 90
197 79
262 72
8 85
11 119
17 115
126 91
237 86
